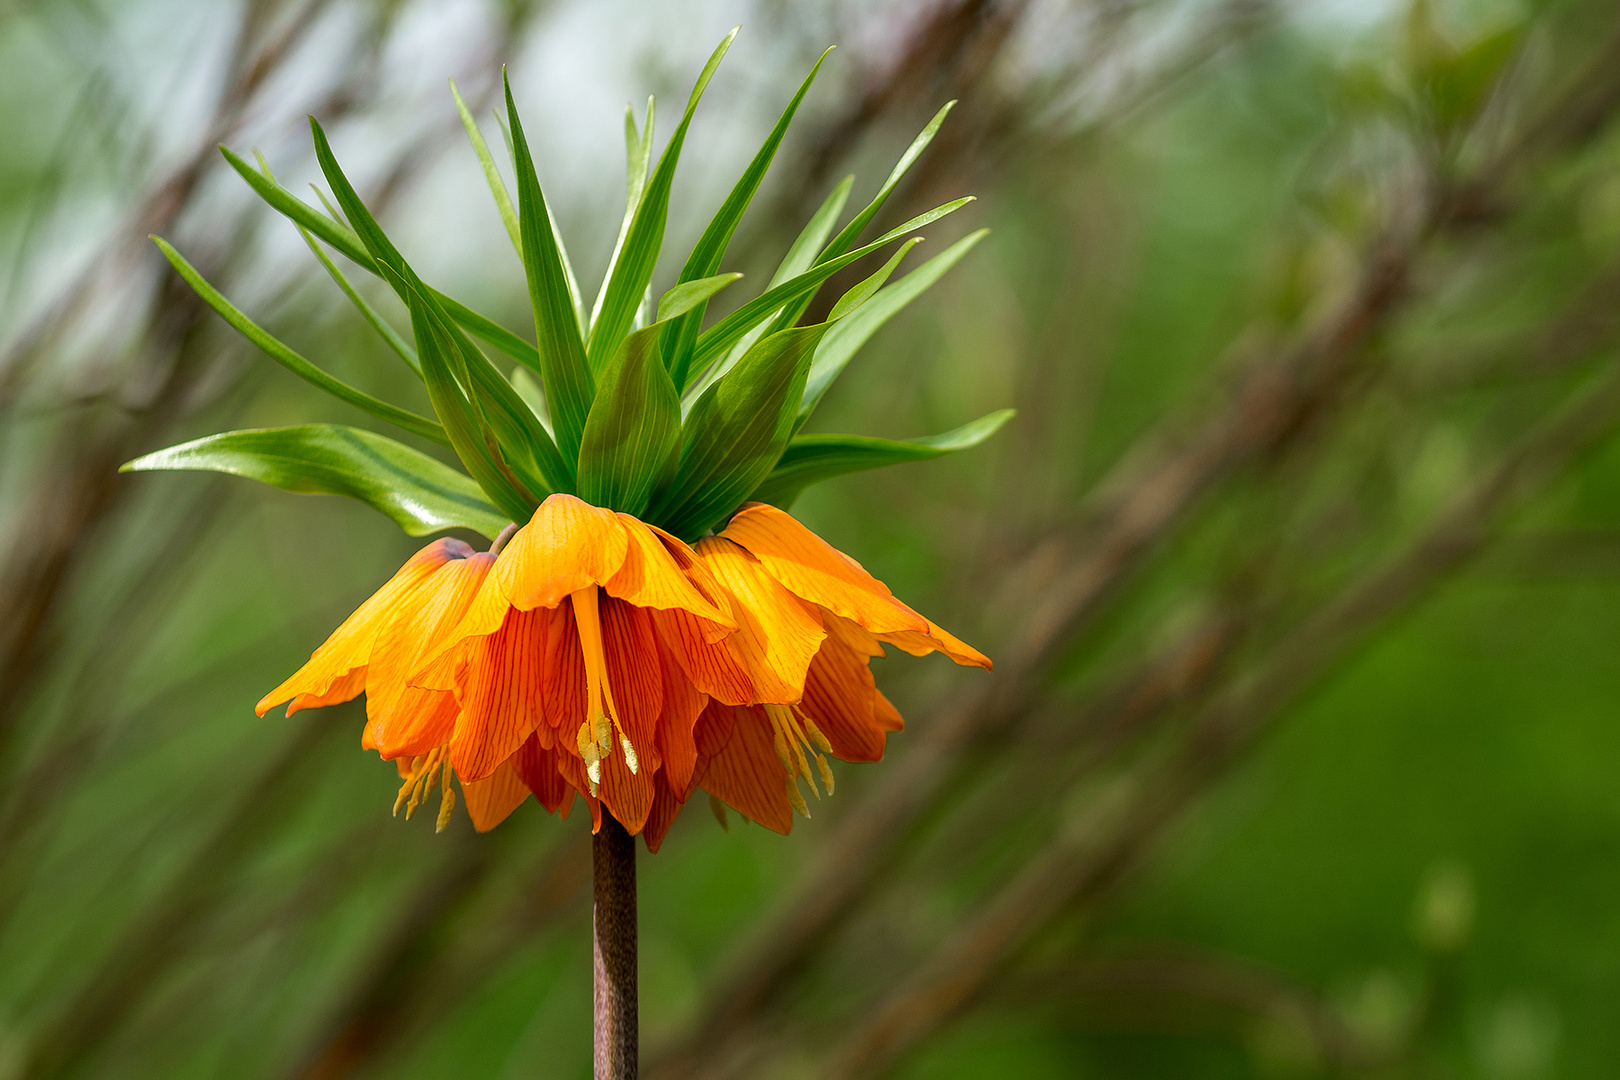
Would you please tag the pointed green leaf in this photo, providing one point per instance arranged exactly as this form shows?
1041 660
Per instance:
711 247
849 233
378 323
849 334
862 291
292 361
492 175
633 269
736 432
421 495
563 370
686 296
637 160
634 427
810 459
460 420
714 342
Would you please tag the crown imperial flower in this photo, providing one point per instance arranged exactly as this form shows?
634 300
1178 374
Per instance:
650 621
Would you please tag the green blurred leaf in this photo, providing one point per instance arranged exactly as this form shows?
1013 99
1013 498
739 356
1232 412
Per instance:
849 334
680 300
736 431
633 268
862 291
492 175
393 414
563 368
421 495
711 247
810 459
634 427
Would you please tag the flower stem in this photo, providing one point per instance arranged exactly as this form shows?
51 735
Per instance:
614 950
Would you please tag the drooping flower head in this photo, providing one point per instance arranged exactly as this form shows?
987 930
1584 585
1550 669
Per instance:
650 621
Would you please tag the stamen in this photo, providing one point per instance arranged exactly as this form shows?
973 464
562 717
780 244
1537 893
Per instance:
826 773
796 797
419 784
601 714
815 734
718 809
447 805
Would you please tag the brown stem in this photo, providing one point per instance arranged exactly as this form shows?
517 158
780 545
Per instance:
614 951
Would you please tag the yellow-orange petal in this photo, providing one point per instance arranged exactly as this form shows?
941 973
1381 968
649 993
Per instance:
567 545
839 697
498 688
343 689
937 639
537 765
677 740
405 719
814 570
776 635
330 670
491 800
745 772
653 577
665 808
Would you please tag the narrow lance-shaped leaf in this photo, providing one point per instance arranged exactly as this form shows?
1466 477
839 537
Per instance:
634 427
419 494
862 290
563 370
513 439
689 295
797 260
459 421
715 341
736 431
344 240
850 333
631 272
378 323
810 459
492 175
292 361
849 233
637 161
705 258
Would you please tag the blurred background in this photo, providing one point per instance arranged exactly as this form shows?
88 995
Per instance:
1300 563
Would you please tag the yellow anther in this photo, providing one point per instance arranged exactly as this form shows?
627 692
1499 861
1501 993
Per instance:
796 797
630 758
816 736
826 772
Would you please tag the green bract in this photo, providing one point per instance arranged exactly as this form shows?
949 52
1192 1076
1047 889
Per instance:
642 411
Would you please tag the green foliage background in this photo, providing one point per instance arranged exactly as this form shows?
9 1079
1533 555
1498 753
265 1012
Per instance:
1408 867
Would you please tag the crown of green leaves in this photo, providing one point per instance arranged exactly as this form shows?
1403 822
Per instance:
643 412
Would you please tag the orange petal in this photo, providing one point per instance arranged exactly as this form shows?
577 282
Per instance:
537 766
838 697
567 545
814 570
776 635
348 649
938 640
665 808
404 719
343 689
677 743
491 800
712 668
747 775
887 716
631 651
652 577
499 692
563 683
